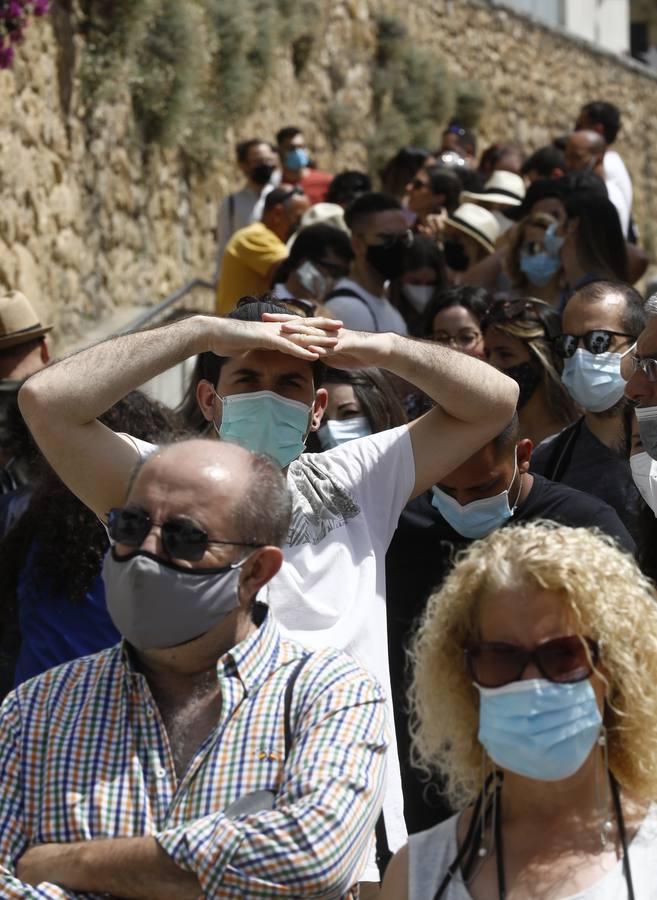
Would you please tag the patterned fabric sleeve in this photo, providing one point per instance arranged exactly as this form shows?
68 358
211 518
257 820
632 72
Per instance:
312 842
13 841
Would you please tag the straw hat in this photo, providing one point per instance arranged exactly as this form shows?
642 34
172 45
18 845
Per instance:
19 322
478 222
504 188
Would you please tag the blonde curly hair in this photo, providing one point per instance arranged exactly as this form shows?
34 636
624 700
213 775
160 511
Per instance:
612 602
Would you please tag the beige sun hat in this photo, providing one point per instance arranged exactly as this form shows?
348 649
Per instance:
19 322
478 222
503 188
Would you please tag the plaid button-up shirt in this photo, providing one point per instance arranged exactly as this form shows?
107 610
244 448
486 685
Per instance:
84 754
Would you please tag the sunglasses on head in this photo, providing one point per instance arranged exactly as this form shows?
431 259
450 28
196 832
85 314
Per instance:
504 311
564 660
597 341
181 538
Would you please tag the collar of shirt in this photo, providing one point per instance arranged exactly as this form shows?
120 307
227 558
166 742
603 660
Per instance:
252 660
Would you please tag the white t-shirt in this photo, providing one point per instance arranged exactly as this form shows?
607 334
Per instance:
330 591
370 313
431 852
619 186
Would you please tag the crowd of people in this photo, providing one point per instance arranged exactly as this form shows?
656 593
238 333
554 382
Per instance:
371 614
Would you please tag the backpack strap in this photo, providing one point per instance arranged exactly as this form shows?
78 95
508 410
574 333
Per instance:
350 292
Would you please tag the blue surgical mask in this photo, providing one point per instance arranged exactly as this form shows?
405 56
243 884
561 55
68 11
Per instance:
540 267
265 422
477 519
538 728
594 380
296 159
552 241
334 432
647 419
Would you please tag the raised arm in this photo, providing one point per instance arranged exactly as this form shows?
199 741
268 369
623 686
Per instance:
62 402
474 400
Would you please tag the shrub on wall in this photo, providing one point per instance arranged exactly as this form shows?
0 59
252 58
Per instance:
14 16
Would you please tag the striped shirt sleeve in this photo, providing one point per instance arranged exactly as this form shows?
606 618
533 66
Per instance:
312 842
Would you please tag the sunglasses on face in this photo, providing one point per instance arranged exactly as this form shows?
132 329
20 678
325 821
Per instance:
597 341
181 538
564 660
391 240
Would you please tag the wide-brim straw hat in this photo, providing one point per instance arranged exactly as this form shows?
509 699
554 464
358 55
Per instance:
19 322
503 188
478 222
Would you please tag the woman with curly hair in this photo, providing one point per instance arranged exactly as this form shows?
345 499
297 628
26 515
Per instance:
518 340
533 694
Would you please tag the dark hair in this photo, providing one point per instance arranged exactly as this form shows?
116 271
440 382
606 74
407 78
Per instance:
242 149
606 114
208 365
493 154
475 299
348 185
467 139
599 241
368 205
69 565
633 319
376 395
544 161
422 253
287 133
401 168
311 243
280 195
508 437
445 181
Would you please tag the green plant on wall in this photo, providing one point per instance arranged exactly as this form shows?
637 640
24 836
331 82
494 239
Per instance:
413 95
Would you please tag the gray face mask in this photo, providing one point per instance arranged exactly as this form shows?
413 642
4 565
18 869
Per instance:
155 604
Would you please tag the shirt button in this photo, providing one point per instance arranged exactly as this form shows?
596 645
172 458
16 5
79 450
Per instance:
149 712
161 773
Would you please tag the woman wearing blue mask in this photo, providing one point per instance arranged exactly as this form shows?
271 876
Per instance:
533 695
531 268
360 402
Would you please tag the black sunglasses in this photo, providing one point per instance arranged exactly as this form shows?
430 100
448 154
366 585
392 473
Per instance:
564 660
181 538
597 341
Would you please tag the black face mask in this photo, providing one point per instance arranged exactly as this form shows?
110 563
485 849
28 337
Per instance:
387 259
261 174
527 378
455 256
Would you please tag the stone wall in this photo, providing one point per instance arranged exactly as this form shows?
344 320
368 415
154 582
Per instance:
92 225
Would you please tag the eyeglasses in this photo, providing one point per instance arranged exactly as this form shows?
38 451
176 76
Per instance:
466 339
647 365
181 538
597 341
564 660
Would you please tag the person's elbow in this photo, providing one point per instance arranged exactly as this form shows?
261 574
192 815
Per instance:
32 399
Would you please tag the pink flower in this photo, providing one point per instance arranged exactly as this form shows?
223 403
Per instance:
6 57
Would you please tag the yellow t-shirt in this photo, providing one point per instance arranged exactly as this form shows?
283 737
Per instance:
246 264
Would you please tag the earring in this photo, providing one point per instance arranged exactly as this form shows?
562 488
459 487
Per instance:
602 795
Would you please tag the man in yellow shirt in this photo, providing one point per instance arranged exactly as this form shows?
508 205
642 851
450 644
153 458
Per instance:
254 253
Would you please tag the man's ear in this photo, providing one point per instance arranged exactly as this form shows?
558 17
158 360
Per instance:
45 352
259 568
206 398
319 406
524 450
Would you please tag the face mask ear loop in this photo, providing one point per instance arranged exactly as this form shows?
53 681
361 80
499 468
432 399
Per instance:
602 794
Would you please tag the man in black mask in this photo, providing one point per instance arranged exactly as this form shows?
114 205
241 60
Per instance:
379 237
258 162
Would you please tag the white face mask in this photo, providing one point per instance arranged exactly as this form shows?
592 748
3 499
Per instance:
647 419
312 280
418 295
334 432
644 474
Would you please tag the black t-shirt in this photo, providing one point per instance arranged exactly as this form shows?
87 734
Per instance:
418 559
590 466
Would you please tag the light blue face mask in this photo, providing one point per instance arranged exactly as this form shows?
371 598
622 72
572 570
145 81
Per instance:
594 380
265 422
538 728
334 432
552 241
477 519
540 267
296 159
